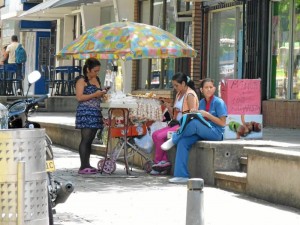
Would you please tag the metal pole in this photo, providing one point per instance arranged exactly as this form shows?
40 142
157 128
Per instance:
21 190
194 208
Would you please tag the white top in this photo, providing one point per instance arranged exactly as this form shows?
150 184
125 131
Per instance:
11 50
178 106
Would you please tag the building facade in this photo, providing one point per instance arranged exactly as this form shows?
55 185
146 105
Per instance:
234 39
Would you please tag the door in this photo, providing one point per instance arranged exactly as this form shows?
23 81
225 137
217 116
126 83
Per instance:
42 58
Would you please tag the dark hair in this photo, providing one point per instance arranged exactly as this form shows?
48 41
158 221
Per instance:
182 77
205 81
14 38
90 64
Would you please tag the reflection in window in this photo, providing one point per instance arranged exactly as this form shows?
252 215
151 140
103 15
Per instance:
157 74
285 79
224 42
163 70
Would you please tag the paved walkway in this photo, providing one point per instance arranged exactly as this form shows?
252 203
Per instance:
143 199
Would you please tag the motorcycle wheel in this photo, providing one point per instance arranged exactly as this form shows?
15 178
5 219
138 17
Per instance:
50 212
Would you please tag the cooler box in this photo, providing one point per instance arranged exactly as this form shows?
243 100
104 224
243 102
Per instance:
243 127
242 96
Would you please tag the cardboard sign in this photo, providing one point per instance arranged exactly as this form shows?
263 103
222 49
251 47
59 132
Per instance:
243 127
242 96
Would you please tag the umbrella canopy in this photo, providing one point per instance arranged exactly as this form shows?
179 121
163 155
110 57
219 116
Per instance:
127 41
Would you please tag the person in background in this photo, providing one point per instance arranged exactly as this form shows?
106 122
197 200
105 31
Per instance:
4 58
185 100
88 113
3 86
10 56
213 112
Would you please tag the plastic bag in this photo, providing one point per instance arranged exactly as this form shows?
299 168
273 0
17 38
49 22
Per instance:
145 142
157 126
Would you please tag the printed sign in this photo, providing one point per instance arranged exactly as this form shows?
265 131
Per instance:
243 127
242 96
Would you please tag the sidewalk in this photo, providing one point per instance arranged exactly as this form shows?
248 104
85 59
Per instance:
284 135
148 200
144 199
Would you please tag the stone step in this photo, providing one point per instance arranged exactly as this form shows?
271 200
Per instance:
231 180
243 160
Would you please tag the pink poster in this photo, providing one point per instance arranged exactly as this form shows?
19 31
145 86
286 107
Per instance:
242 96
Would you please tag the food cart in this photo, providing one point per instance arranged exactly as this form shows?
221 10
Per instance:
128 117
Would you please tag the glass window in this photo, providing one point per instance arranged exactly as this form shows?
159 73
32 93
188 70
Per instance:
225 41
158 72
285 58
163 70
296 52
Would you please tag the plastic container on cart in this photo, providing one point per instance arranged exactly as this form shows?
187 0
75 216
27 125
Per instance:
133 130
3 117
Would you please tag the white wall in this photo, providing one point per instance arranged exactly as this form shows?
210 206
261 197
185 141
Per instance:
125 10
90 16
68 35
59 38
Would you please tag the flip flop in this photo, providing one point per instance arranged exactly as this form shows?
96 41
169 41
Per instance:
87 171
93 168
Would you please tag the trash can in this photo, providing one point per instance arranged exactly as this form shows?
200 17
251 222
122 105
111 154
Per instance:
23 180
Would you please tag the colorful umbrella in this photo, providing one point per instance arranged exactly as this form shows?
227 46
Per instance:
127 41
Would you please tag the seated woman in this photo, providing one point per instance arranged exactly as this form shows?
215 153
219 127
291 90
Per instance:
186 99
214 110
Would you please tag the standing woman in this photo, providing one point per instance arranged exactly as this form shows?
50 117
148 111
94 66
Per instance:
211 127
185 100
88 113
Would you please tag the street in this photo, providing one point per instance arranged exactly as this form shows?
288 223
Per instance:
143 199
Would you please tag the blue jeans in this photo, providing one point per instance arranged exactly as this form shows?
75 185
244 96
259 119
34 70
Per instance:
19 75
193 132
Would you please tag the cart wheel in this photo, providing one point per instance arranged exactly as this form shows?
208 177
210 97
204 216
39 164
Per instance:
148 166
109 167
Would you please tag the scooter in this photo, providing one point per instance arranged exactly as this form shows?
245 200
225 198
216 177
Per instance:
18 112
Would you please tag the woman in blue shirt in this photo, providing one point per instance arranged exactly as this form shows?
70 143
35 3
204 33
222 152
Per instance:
209 126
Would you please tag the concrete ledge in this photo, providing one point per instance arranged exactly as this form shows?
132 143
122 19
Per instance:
273 175
64 135
68 136
206 157
61 104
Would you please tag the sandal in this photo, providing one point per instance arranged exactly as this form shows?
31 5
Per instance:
87 171
93 168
